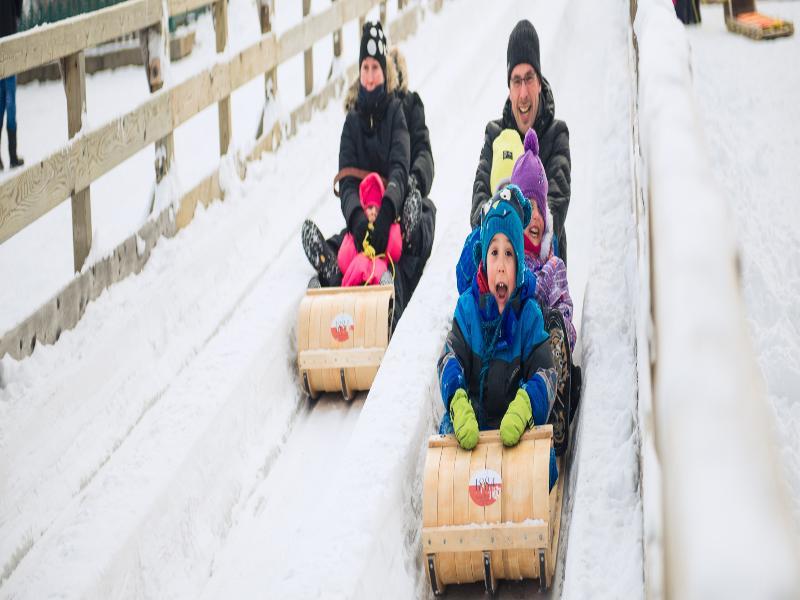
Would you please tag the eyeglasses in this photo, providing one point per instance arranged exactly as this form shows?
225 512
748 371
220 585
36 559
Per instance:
516 82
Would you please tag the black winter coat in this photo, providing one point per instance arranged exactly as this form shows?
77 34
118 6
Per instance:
422 165
553 150
376 141
10 12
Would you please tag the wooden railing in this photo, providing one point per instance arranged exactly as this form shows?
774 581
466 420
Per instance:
40 187
70 171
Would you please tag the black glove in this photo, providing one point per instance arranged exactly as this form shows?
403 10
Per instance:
379 236
357 226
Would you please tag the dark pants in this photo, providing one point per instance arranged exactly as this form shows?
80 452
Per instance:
411 263
8 102
688 11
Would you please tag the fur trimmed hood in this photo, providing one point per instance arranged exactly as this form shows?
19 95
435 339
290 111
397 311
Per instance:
396 79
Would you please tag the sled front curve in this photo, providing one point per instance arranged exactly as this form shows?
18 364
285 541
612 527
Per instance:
342 335
488 514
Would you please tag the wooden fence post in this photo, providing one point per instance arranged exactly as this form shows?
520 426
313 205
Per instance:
155 43
73 73
224 105
266 10
308 55
337 45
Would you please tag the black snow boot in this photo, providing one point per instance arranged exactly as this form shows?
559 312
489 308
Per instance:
562 361
13 159
320 255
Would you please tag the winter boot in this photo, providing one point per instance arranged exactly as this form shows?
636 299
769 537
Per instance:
320 255
575 393
562 361
13 159
412 213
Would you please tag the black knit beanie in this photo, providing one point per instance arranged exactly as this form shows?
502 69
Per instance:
523 47
373 44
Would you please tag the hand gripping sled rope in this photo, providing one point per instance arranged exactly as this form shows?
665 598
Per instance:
741 17
342 335
488 513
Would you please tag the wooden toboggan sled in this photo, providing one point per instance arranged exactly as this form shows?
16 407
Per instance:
342 335
488 514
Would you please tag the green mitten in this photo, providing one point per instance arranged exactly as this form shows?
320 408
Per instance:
465 424
515 421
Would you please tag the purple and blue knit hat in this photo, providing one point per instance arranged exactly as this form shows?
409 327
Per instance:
529 174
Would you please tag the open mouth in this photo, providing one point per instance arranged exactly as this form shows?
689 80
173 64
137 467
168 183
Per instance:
501 289
524 110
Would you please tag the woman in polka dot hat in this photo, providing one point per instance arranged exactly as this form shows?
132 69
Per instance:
374 138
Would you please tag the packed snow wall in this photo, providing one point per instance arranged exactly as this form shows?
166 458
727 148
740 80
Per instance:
724 508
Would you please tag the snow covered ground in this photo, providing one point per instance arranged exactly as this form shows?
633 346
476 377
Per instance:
749 99
162 448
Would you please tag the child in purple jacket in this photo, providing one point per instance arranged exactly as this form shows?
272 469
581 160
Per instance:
552 290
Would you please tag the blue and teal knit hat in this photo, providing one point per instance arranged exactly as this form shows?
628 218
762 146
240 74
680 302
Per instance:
506 212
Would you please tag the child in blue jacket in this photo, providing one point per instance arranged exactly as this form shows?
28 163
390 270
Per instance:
496 370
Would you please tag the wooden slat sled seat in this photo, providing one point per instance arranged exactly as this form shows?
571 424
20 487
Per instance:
342 335
488 514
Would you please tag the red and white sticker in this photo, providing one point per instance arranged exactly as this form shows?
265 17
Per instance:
341 327
485 487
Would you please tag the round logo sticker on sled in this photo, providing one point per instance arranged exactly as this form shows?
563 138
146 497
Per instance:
341 326
485 487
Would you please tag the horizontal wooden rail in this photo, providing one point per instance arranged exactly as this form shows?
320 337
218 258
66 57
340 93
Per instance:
477 538
48 43
43 186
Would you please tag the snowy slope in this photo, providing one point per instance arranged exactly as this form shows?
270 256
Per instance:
163 449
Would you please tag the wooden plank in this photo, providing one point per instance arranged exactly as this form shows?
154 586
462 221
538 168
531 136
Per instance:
73 71
340 359
308 55
508 497
40 187
360 290
445 510
476 511
494 462
461 504
224 105
491 437
302 36
44 185
203 193
49 43
472 538
179 7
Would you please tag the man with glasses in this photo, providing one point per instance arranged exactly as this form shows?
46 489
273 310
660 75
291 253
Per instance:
530 104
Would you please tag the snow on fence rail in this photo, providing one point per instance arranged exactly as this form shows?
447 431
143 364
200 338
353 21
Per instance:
726 526
42 186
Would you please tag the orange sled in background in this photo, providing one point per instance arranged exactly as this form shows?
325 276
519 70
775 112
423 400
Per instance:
741 17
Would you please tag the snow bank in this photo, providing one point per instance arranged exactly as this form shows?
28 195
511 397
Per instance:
724 509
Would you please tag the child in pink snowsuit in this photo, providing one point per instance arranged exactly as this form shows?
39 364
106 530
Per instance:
359 264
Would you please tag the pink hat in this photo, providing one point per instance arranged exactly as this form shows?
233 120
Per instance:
371 191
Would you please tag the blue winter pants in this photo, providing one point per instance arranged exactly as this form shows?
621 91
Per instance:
8 102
